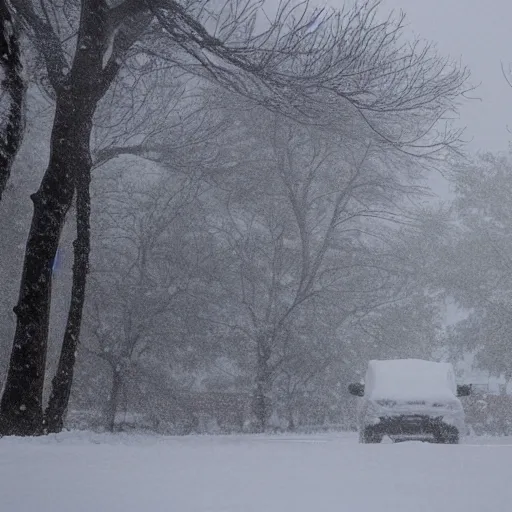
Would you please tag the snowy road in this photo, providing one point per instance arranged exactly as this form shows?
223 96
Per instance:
96 473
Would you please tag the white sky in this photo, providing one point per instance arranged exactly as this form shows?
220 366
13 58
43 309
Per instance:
479 32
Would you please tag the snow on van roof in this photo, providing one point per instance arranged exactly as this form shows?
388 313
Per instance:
410 379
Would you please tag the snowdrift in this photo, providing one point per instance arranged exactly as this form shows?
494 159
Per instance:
322 473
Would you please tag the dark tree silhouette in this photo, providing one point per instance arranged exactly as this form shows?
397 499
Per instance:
13 94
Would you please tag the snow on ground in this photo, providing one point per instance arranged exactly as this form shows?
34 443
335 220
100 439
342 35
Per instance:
84 472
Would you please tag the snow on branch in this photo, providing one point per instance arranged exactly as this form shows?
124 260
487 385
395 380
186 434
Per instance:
310 61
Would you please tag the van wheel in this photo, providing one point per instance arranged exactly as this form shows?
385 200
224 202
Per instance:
368 436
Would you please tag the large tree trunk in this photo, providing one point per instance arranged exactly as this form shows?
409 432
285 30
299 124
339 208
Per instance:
78 93
262 404
63 380
13 85
21 410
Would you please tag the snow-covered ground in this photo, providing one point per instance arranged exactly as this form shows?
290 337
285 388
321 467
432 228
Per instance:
98 473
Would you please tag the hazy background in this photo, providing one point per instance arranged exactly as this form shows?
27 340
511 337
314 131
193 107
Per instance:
175 346
479 33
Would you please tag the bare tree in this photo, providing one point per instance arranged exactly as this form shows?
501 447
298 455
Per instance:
13 93
140 276
78 90
472 262
61 385
304 62
302 216
177 130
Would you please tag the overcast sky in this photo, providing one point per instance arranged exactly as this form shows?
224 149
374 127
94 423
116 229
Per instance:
479 32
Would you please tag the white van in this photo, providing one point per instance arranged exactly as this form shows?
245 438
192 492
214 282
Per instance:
410 399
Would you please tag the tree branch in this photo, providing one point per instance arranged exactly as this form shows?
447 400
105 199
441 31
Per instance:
46 42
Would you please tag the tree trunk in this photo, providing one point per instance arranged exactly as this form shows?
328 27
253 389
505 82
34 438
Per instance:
14 86
21 411
262 406
113 402
291 420
63 380
21 406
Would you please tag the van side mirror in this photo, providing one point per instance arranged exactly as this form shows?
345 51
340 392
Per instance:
464 390
356 389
